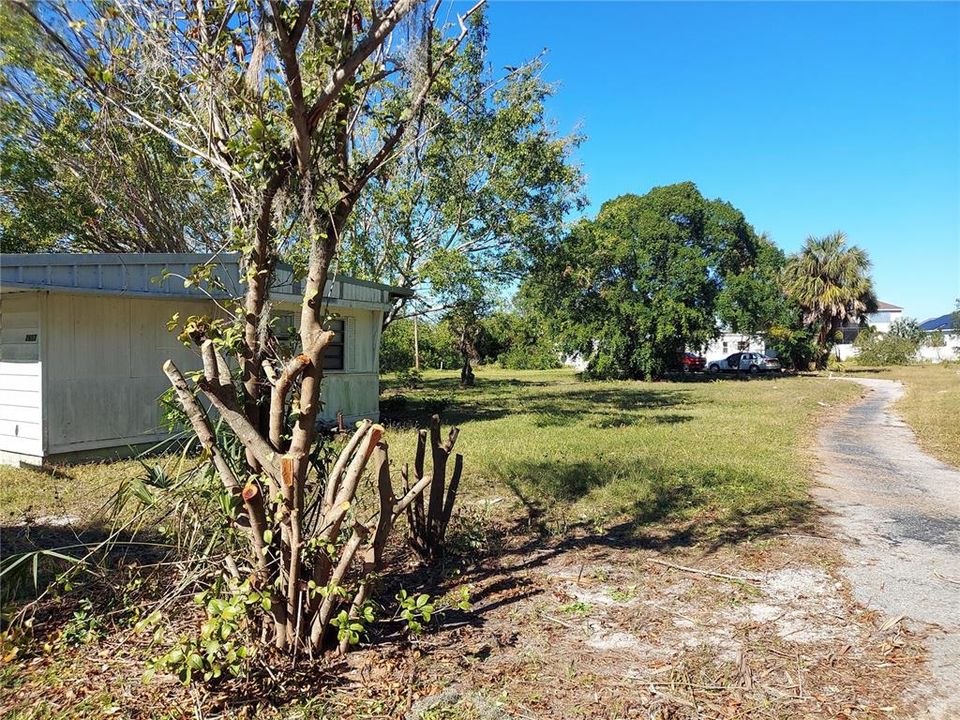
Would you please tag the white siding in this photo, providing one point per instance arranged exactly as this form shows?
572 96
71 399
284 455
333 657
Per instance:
21 425
354 391
103 371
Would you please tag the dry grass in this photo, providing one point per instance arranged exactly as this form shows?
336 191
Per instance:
76 490
61 490
931 407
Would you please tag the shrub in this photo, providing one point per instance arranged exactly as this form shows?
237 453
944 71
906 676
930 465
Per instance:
888 349
411 378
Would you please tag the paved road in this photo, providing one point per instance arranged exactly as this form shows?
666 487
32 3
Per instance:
897 511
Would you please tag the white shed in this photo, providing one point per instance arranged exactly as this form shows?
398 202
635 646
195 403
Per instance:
83 338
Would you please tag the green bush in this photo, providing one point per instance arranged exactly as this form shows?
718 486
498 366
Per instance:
438 347
516 341
411 378
529 357
888 349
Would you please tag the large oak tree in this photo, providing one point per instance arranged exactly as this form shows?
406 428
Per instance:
650 276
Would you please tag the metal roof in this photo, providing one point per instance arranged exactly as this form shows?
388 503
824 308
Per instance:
162 275
943 322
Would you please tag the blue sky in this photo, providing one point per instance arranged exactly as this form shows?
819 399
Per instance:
809 117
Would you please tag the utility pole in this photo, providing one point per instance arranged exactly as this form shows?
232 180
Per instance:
416 344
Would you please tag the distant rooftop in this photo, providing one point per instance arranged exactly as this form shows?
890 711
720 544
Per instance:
887 307
944 322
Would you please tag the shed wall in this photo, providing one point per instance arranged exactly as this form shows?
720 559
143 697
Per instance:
103 357
21 379
103 368
355 390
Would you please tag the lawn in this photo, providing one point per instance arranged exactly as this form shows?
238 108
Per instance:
931 407
728 454
931 404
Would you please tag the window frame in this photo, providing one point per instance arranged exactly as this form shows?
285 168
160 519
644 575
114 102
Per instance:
336 361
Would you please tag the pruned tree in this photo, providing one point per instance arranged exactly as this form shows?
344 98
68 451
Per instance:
427 522
271 99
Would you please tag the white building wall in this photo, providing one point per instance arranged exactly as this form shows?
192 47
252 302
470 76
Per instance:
882 320
729 343
21 378
949 352
103 357
354 391
102 370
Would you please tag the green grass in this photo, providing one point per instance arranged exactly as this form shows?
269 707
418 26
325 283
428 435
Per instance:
931 405
679 462
729 454
80 490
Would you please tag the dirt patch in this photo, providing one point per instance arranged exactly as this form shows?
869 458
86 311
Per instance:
603 633
583 627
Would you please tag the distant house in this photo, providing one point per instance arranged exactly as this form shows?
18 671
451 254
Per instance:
949 329
731 342
83 338
881 320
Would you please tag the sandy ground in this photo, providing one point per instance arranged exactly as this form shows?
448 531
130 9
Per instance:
897 512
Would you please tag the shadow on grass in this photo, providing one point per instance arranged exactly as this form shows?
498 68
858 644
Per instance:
706 508
659 507
863 371
556 409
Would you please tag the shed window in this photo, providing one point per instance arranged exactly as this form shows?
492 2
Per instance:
283 327
334 357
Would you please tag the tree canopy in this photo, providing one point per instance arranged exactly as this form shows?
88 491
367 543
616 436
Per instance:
463 207
75 174
651 275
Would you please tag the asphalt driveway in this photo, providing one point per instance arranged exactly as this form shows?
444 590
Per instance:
897 513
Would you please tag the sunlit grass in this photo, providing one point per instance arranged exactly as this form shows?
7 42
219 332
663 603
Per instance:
76 490
730 453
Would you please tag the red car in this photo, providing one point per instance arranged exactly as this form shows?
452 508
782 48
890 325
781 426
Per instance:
691 362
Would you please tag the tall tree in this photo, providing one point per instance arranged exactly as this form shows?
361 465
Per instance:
831 283
292 108
75 175
631 288
490 182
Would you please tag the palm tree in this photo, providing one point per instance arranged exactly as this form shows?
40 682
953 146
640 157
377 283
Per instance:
831 283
